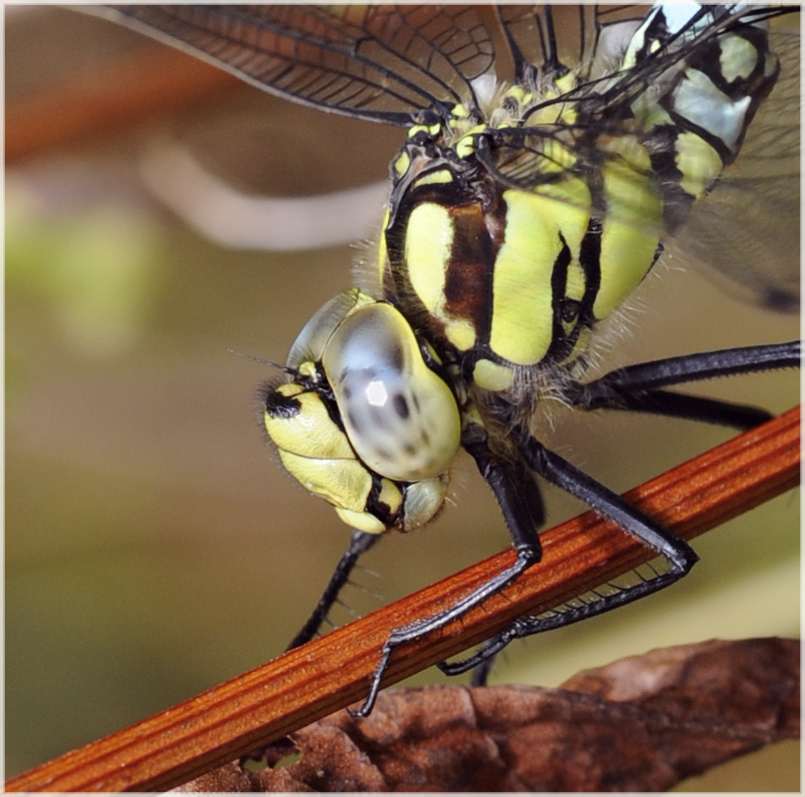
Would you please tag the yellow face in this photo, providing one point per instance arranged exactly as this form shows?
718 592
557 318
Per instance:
366 423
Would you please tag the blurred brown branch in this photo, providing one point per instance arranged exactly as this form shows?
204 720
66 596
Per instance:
107 94
327 674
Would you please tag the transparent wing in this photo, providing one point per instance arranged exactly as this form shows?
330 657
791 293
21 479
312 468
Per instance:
569 35
747 229
380 63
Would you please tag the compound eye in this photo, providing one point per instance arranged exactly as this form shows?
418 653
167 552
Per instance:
315 335
400 417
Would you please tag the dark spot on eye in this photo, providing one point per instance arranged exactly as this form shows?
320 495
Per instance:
353 421
409 449
346 392
395 358
401 406
384 454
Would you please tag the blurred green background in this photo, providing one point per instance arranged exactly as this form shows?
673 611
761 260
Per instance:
153 546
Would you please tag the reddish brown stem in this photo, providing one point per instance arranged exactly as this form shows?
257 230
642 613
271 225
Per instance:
329 673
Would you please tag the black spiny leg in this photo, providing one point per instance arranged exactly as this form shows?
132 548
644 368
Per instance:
558 471
359 543
638 388
531 497
520 510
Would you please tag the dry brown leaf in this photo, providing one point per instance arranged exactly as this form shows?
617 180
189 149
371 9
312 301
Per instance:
640 724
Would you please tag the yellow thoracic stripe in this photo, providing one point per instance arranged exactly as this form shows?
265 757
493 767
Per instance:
552 260
538 230
519 259
631 224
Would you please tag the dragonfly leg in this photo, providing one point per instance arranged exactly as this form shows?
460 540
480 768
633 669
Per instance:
680 556
359 543
639 388
521 510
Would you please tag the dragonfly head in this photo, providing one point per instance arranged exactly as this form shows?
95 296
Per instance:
364 421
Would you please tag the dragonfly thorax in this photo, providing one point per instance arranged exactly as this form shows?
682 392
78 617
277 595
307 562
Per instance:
505 280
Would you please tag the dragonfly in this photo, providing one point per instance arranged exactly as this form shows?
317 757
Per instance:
522 213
